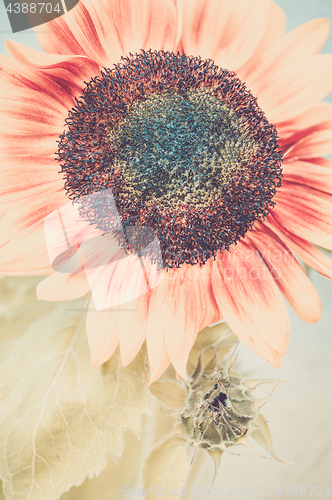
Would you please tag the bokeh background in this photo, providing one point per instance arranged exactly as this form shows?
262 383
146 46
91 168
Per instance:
299 413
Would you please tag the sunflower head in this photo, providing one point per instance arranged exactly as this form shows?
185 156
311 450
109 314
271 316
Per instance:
183 148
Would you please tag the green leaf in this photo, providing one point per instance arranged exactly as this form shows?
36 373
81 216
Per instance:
263 437
109 484
216 457
214 336
60 419
18 309
167 465
170 393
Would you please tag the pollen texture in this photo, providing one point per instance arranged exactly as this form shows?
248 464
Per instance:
183 148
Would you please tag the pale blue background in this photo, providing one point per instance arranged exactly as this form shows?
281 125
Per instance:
299 413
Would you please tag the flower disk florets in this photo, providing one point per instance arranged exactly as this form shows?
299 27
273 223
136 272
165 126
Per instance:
182 146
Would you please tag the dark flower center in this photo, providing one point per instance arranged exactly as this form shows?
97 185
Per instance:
183 148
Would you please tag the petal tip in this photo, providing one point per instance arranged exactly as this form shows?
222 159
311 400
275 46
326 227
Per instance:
96 364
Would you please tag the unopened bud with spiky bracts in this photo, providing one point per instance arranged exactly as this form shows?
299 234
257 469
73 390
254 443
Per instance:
216 408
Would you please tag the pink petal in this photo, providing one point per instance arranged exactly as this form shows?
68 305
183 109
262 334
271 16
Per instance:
26 256
158 364
323 162
60 286
22 84
182 314
227 32
29 170
316 118
145 24
304 250
67 72
118 282
157 351
318 143
250 301
288 275
27 113
308 174
104 30
12 188
306 212
304 41
282 80
175 311
211 312
23 154
22 238
103 333
66 233
132 327
291 90
274 30
114 276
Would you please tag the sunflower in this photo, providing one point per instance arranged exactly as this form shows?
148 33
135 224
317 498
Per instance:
205 122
